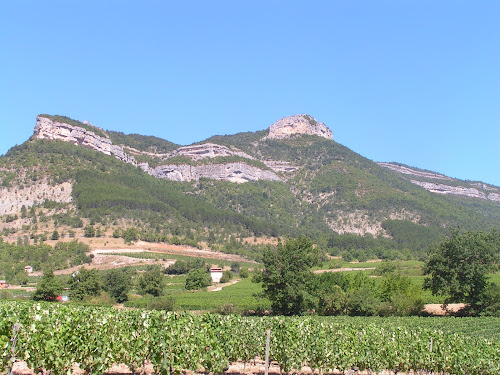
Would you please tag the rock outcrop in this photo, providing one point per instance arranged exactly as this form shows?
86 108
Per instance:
233 172
29 195
457 190
298 124
477 190
453 190
281 166
46 128
414 172
207 150
239 172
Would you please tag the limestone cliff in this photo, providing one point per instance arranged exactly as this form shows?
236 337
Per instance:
233 172
298 124
207 150
446 185
46 128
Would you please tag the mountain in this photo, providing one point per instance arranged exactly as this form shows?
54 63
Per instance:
289 179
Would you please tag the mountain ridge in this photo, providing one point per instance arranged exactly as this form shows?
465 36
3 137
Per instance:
300 183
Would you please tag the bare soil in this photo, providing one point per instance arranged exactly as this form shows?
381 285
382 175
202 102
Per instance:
255 367
344 269
103 247
438 310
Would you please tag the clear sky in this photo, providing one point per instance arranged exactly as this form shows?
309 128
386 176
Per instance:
417 82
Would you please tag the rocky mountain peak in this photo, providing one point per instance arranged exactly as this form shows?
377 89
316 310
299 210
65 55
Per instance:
298 124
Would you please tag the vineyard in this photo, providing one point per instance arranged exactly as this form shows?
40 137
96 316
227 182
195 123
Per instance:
54 337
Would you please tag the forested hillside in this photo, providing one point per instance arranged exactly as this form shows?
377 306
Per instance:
343 201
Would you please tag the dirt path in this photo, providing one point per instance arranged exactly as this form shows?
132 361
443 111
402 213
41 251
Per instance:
103 258
344 269
218 287
106 262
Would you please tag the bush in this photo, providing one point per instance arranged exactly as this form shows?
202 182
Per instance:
152 281
226 277
181 267
361 302
244 273
55 235
166 303
89 231
235 267
198 278
130 235
5 294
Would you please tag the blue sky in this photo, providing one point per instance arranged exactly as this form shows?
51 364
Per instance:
416 82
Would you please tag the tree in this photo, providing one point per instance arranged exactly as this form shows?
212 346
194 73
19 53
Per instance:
235 267
152 281
227 276
117 282
399 295
55 235
286 279
49 287
85 283
459 264
130 235
198 278
89 231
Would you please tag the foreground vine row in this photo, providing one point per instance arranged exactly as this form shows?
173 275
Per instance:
54 337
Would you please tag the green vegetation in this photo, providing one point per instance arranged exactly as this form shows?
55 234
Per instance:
49 288
287 279
184 266
14 258
102 337
152 281
198 278
332 182
458 266
242 297
142 142
85 284
118 282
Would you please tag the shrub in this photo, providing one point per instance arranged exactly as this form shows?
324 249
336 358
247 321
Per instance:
226 277
166 303
198 278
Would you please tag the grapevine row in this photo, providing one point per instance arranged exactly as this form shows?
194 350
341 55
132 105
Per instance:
54 337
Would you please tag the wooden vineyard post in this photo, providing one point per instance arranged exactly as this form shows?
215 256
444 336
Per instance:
268 341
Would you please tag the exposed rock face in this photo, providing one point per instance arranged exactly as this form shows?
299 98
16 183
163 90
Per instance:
233 172
14 198
47 129
494 197
281 166
471 191
405 170
458 190
298 124
207 150
453 190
